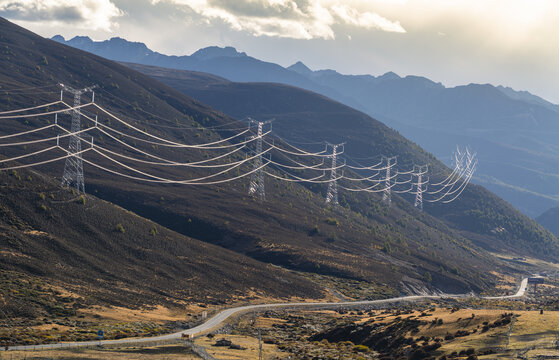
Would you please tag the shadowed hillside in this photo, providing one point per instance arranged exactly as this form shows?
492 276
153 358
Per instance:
104 255
549 219
304 116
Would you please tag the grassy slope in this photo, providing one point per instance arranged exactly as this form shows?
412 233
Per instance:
393 246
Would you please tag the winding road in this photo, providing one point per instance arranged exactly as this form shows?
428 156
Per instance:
220 317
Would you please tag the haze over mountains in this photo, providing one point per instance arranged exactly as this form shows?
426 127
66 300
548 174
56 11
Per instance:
513 132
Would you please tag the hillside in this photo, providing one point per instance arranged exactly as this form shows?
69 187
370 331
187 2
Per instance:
549 220
304 116
513 131
101 254
389 250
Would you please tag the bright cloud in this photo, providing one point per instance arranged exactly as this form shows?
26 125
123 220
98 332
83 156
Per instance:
87 14
297 19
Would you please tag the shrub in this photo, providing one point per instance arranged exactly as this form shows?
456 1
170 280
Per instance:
461 333
387 248
120 228
81 200
333 221
42 196
361 348
427 277
418 354
331 238
314 231
153 231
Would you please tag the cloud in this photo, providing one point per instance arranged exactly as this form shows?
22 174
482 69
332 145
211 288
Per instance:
297 19
87 14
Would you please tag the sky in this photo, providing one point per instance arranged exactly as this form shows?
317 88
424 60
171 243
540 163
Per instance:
456 42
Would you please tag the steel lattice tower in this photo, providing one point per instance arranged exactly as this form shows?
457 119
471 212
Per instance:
332 192
257 177
386 194
419 185
73 168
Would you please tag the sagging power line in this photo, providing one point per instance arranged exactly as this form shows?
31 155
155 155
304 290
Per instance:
383 177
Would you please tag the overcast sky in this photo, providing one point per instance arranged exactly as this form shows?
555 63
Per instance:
504 42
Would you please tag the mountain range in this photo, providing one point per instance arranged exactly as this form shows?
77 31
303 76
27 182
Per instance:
513 132
211 238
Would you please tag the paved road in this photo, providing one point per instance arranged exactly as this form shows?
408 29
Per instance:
519 293
220 317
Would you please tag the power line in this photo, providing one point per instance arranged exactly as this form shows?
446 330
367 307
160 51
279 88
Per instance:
31 108
45 161
450 188
165 142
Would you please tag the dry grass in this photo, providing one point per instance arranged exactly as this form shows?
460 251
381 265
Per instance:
268 323
167 352
531 329
156 314
269 351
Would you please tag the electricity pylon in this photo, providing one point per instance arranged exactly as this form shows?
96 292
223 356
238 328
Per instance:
73 168
386 194
332 192
419 171
256 187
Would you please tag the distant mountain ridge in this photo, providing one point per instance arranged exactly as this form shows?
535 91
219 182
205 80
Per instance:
225 62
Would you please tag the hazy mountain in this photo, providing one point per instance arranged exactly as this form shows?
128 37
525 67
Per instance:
513 132
527 97
225 62
216 52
